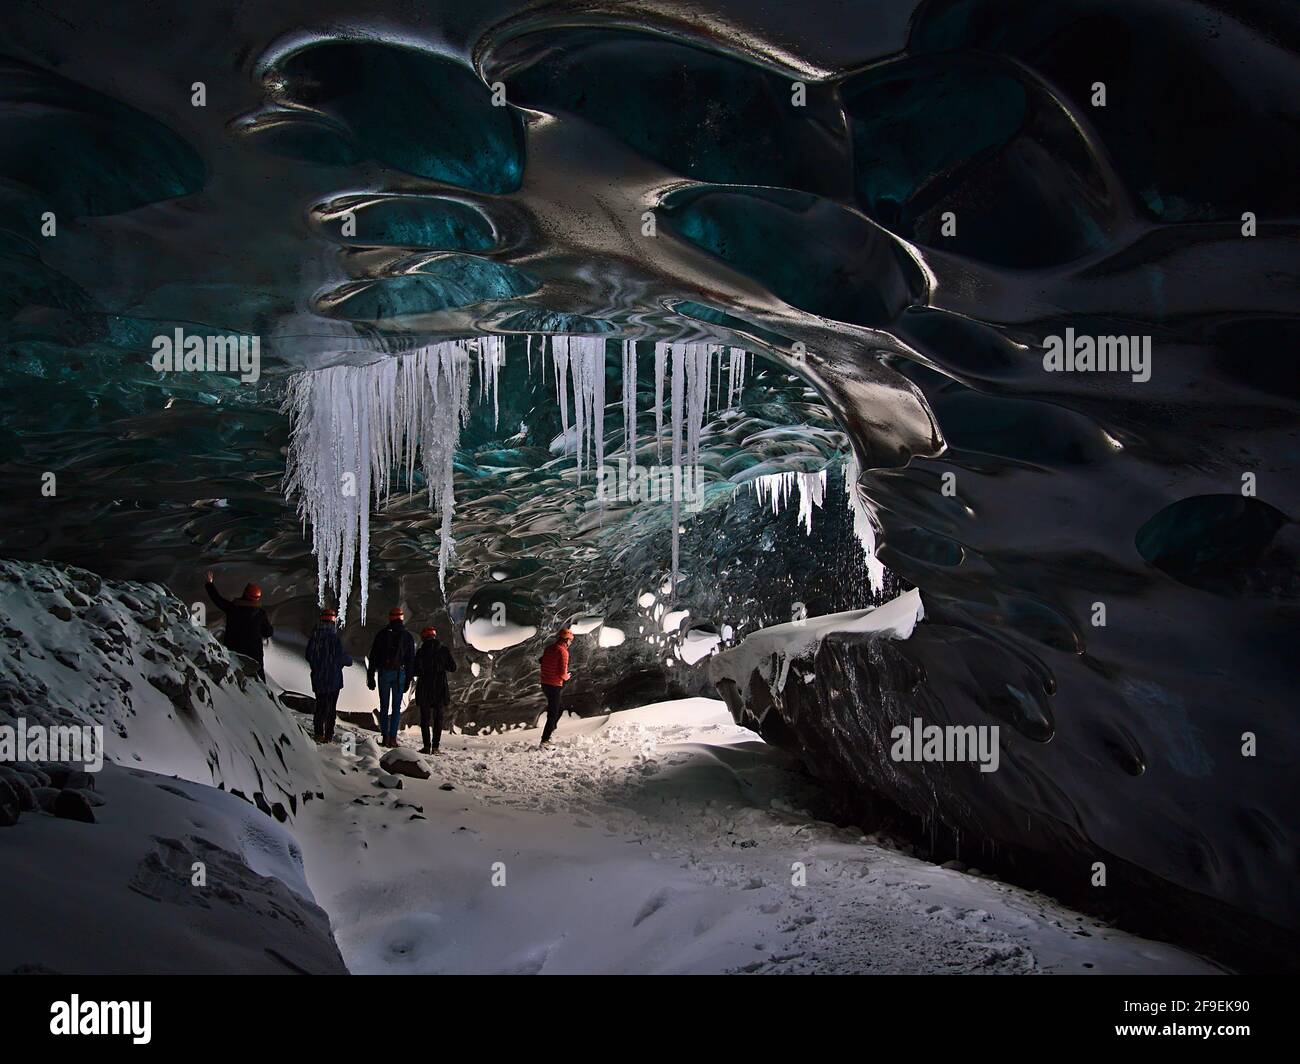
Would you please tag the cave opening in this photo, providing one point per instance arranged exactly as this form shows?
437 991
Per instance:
725 337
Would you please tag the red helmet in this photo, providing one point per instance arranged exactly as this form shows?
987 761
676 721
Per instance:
252 593
396 614
428 632
329 613
566 633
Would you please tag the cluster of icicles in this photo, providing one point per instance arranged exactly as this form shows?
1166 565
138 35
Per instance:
775 490
357 431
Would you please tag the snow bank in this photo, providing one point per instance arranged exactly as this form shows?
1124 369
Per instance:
119 896
77 649
769 651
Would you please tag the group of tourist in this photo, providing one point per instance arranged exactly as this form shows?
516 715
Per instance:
393 665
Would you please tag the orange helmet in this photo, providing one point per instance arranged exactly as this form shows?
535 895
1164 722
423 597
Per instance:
329 613
428 632
396 614
566 633
252 593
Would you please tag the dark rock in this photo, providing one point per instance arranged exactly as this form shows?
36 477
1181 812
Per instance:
366 720
297 702
405 762
1048 811
62 612
36 777
10 805
63 775
72 805
45 797
22 787
446 787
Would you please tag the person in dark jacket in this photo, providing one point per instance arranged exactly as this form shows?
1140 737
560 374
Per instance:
432 663
247 624
392 661
328 659
555 671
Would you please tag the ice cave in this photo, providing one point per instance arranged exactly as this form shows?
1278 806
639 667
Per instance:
845 451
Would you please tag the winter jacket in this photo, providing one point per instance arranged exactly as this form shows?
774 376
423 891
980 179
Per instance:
555 665
246 624
393 648
327 658
432 663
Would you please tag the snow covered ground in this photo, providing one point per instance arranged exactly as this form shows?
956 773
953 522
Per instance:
662 839
172 877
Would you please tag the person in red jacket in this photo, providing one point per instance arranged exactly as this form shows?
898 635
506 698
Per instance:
555 671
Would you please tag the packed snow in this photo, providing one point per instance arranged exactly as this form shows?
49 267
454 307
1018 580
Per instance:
662 839
769 651
123 870
119 896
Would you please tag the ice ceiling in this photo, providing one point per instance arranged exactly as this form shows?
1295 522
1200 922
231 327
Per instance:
894 254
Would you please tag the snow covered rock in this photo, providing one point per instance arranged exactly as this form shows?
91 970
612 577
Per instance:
76 649
172 878
836 694
769 652
404 762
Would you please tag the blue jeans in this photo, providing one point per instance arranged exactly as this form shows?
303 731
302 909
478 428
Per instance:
392 685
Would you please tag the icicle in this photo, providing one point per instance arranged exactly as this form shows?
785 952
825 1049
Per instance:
661 354
735 376
863 525
778 487
491 357
353 429
586 360
560 353
578 370
679 355
812 492
596 360
629 401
